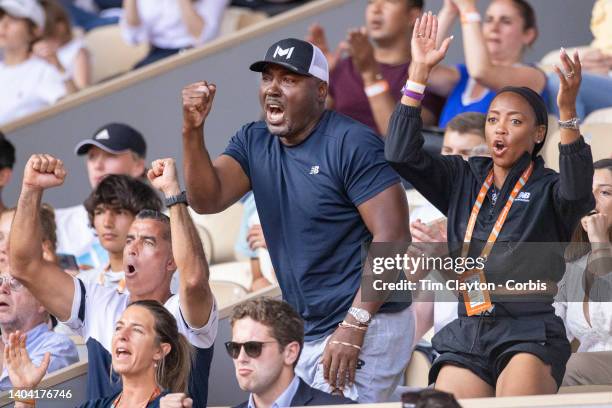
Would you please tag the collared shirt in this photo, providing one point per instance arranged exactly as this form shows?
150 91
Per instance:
105 277
283 400
162 25
41 340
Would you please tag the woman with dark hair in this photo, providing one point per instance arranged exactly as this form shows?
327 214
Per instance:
493 54
151 356
503 206
584 292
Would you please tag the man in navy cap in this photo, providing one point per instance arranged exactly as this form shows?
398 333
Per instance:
115 148
323 188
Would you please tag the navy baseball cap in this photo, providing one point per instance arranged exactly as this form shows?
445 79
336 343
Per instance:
115 138
296 55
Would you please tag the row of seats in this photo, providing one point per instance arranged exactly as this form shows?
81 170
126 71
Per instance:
112 56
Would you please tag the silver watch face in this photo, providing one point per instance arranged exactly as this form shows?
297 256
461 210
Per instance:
362 316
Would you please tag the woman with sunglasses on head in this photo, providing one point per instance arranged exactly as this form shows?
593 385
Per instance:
148 352
584 292
499 347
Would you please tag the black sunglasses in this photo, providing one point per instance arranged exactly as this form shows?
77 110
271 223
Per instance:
251 348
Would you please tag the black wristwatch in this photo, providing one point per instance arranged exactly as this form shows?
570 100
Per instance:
176 199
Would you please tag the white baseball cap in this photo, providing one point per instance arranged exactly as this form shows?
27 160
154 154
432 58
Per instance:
30 9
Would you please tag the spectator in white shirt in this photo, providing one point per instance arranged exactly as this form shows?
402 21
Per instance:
583 299
170 25
115 148
28 83
60 48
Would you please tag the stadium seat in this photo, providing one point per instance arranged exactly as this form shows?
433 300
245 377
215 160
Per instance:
236 18
111 56
599 116
238 272
219 232
599 136
227 293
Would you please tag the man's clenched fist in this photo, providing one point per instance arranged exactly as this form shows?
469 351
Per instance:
43 171
197 102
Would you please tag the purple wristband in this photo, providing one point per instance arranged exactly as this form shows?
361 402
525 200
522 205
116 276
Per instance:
413 95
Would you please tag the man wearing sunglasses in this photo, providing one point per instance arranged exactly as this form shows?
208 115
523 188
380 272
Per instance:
267 338
19 310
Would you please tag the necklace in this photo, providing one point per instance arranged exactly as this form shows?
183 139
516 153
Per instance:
154 395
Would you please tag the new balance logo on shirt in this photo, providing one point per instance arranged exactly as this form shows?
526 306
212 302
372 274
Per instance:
314 170
523 196
283 53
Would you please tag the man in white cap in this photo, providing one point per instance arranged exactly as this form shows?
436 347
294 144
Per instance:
323 188
28 83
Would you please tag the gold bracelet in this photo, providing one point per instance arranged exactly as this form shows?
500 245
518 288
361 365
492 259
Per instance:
342 343
352 326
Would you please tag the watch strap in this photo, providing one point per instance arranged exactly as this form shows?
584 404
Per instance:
176 199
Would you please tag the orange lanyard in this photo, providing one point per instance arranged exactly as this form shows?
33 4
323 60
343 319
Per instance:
156 393
501 219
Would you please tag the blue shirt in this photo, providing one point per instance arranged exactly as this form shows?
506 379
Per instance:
39 341
283 400
242 245
454 104
307 197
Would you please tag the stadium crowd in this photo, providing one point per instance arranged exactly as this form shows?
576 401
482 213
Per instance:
320 176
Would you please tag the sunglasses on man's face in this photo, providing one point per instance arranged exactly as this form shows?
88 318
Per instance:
251 348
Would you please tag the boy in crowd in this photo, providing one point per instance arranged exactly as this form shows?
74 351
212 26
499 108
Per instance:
115 148
7 161
111 208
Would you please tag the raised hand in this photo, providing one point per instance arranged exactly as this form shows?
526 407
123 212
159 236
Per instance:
569 82
43 171
597 227
359 47
255 238
423 45
316 35
22 372
177 400
197 103
163 177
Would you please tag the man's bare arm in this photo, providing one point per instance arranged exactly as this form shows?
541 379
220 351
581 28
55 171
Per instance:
211 186
194 291
47 281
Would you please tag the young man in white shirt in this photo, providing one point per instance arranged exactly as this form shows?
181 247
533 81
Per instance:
115 148
156 246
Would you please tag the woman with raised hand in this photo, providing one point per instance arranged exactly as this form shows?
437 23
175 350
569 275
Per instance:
584 292
151 356
499 347
493 46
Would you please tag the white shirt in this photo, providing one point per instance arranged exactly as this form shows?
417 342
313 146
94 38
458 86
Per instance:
76 237
162 23
28 87
105 277
568 305
67 54
103 307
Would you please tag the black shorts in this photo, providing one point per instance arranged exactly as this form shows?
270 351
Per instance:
485 344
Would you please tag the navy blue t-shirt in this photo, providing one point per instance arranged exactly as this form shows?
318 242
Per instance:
307 197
